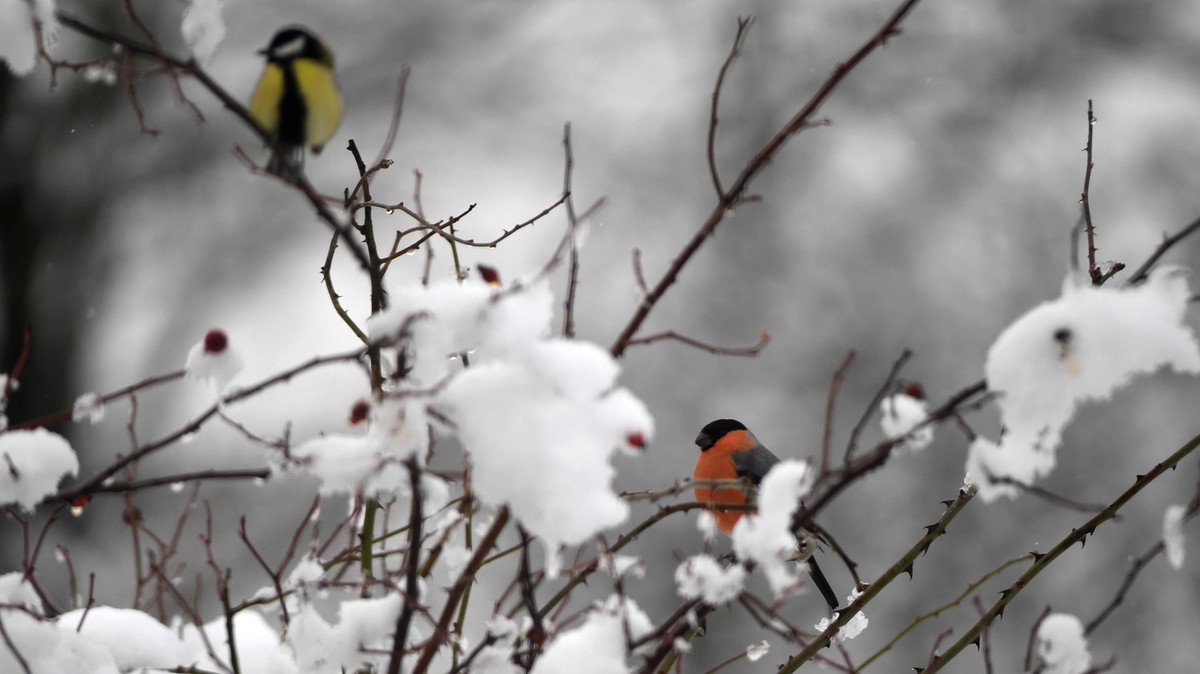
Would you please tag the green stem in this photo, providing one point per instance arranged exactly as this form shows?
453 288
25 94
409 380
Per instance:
1077 535
903 565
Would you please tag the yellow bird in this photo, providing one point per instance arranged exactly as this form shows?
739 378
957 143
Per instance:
297 100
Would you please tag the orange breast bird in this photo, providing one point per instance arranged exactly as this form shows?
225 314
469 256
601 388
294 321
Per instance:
728 451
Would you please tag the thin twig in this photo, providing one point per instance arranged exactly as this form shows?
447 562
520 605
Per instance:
1144 271
835 387
743 28
572 225
412 588
1077 535
65 414
1093 270
738 189
97 481
763 339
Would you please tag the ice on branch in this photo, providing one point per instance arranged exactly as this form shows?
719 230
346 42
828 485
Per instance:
540 417
1078 348
1062 646
1173 535
31 464
214 360
701 576
766 537
900 414
203 28
598 645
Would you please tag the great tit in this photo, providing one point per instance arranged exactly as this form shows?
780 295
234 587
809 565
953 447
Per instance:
297 100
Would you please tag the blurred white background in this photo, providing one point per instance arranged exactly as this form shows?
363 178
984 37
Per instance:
933 211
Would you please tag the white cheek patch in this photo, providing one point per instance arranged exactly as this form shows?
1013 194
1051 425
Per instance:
292 47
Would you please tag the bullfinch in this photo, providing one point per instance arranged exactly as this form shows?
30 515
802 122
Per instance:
729 451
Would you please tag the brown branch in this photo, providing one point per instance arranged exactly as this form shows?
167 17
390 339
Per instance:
394 126
835 386
1033 630
14 375
1139 564
12 647
743 28
1093 270
1167 242
572 226
738 189
97 482
763 340
412 578
873 406
464 579
65 415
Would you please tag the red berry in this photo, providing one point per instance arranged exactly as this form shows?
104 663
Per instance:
913 389
491 275
359 412
215 341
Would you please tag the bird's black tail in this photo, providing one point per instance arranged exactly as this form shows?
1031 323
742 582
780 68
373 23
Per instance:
822 584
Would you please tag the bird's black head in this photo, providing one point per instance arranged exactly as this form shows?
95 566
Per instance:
293 42
715 430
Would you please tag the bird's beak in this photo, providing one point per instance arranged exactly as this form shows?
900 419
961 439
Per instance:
264 51
704 441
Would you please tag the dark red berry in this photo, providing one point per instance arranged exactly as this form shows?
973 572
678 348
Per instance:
359 412
215 341
491 275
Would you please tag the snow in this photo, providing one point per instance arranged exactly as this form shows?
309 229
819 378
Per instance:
755 652
31 464
1078 348
371 463
133 638
17 45
203 28
766 537
853 627
322 647
1173 535
1062 646
598 645
44 648
214 360
260 648
529 407
621 565
899 415
495 659
88 407
702 576
5 383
